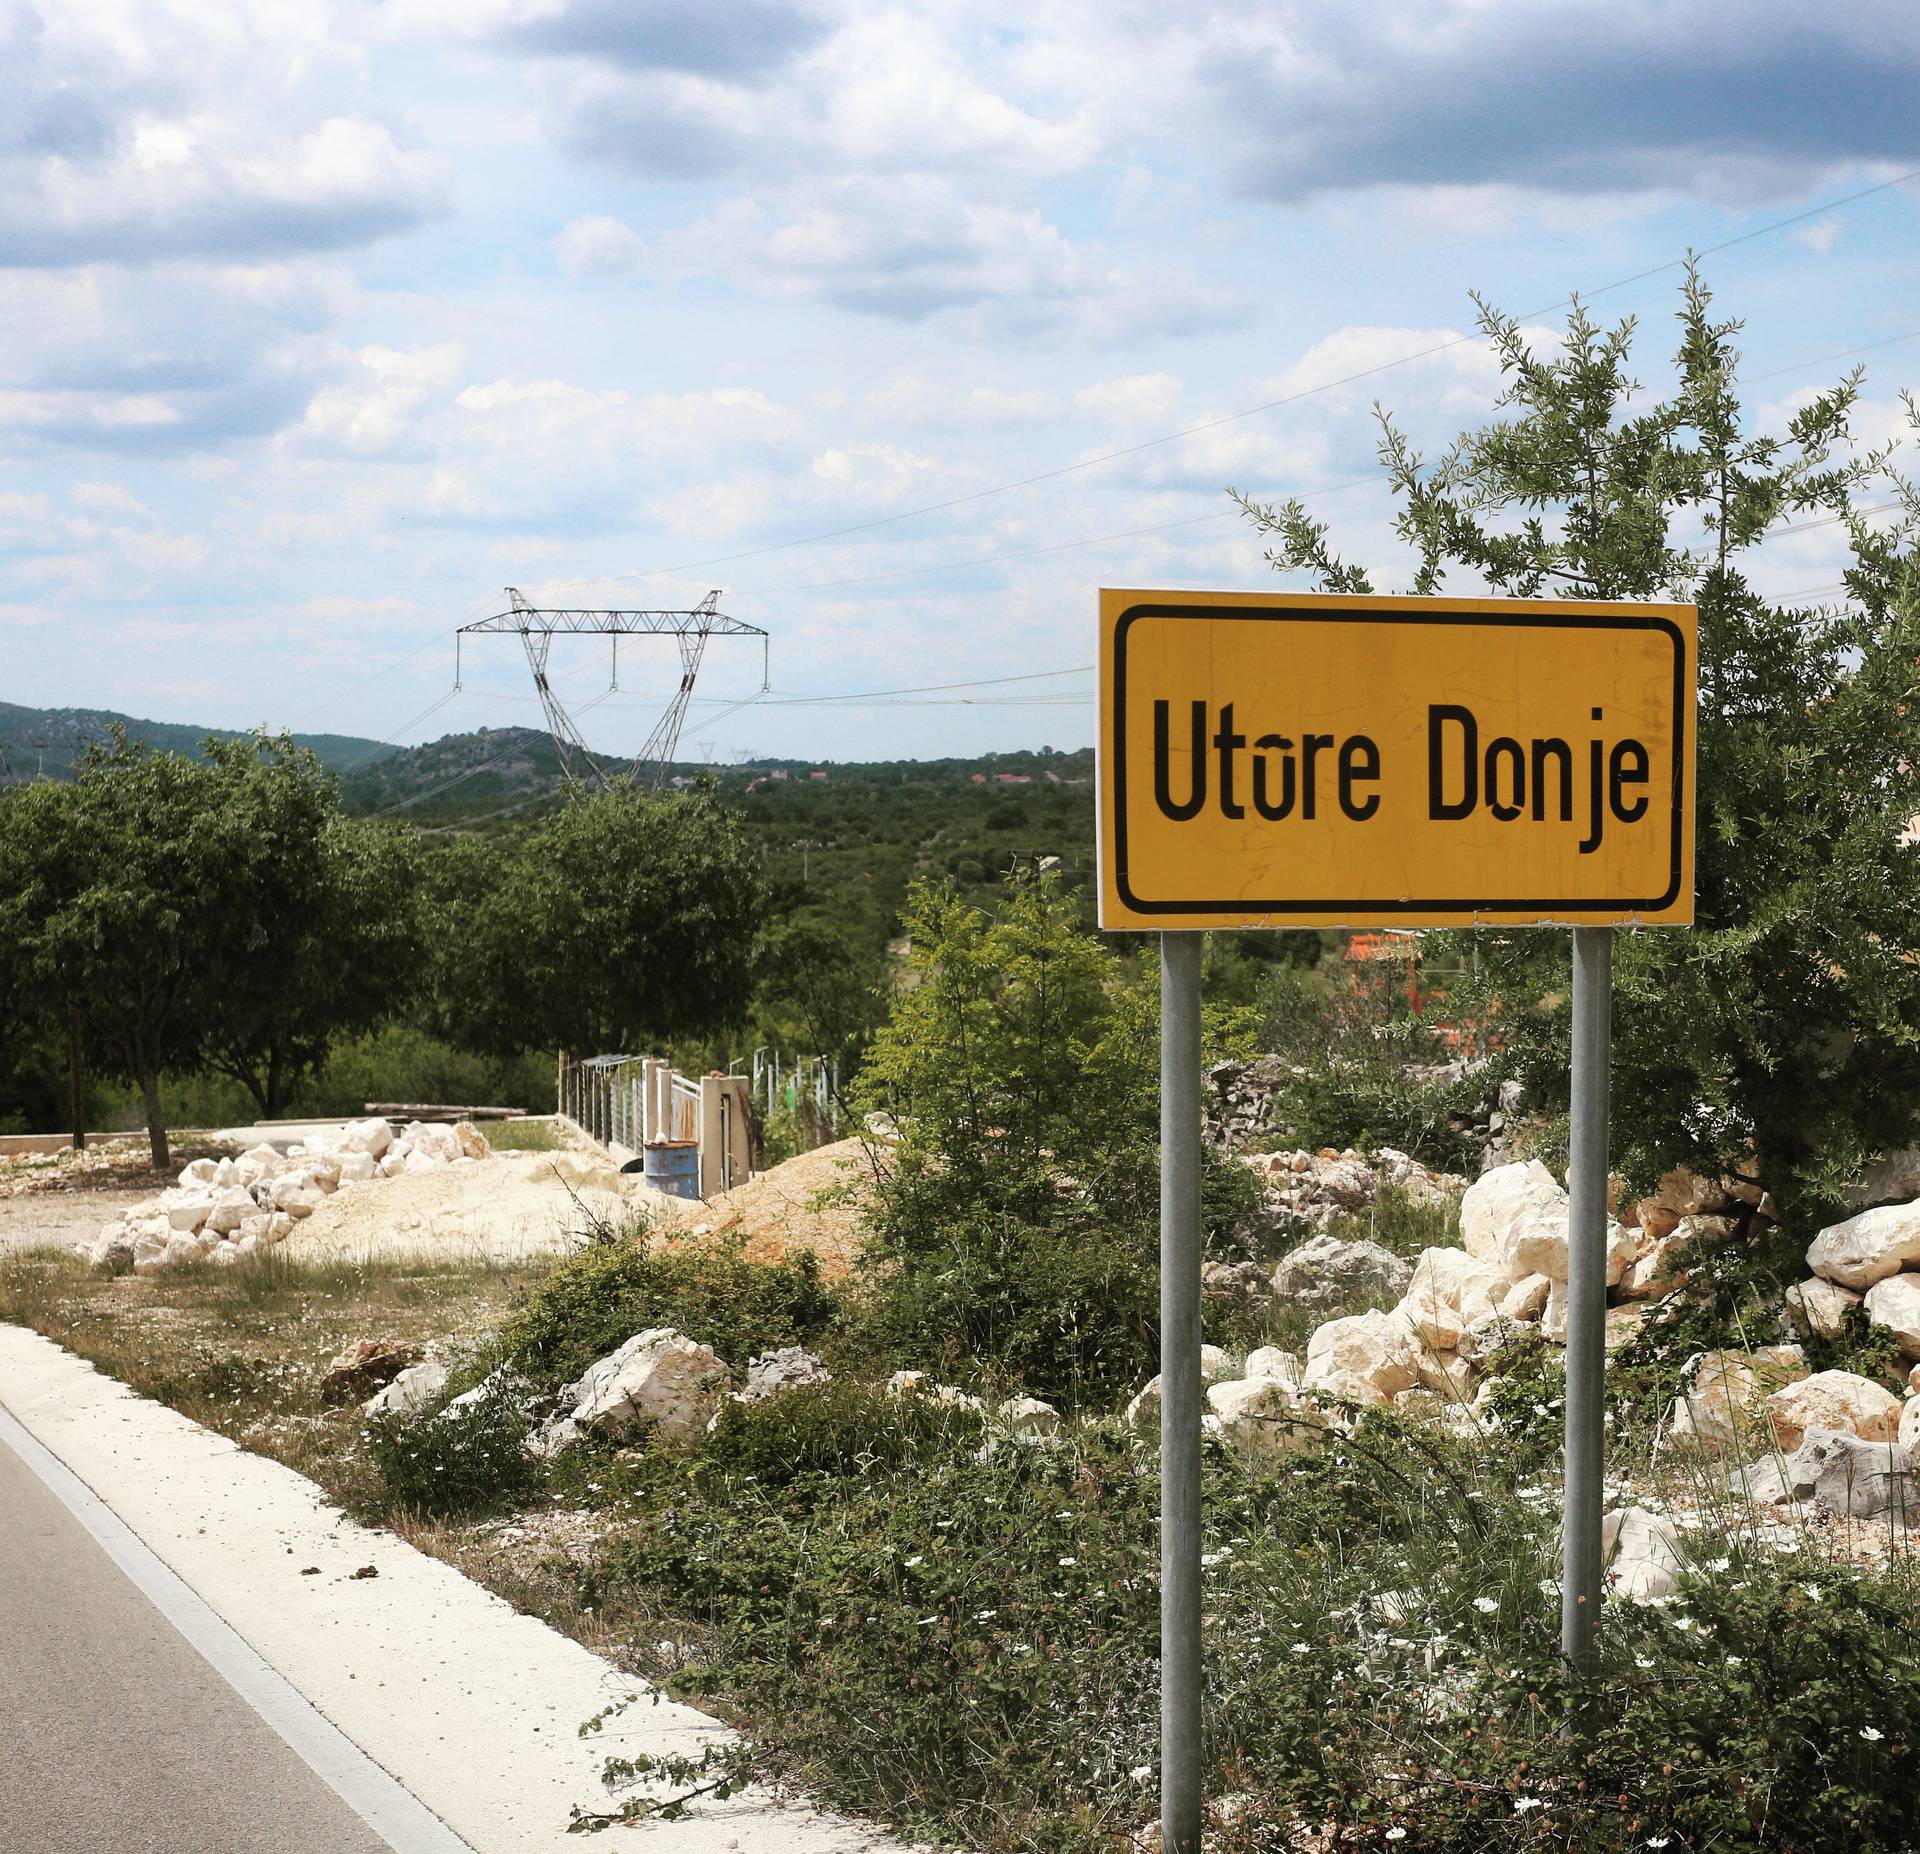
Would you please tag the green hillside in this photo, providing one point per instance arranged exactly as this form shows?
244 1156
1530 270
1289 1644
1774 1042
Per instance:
38 743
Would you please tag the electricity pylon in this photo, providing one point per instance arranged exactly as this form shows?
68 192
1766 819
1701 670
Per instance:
538 626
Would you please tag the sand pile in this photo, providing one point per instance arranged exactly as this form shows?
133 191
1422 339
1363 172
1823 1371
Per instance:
517 1204
815 1202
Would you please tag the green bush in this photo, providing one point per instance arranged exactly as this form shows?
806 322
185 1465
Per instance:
456 1462
1367 1070
1016 1221
1772 1706
616 1287
965 1643
838 1428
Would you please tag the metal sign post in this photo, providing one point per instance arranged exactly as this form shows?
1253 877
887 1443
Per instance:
1180 1393
1586 1398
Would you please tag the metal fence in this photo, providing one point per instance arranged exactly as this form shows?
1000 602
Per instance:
630 1101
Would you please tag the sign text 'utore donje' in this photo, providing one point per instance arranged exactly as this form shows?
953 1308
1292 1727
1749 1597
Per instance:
1297 759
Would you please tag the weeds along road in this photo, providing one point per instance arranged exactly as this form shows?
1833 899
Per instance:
114 1732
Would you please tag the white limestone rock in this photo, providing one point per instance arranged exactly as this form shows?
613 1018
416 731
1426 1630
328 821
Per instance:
1642 1551
1841 1400
295 1194
659 1378
371 1137
1527 1298
198 1172
1260 1417
435 1138
1271 1363
1514 1219
1908 1434
769 1373
1449 1292
1894 1305
1841 1473
413 1390
1327 1271
1867 1248
1822 1306
1722 1393
1027 1419
357 1167
186 1209
1367 1357
230 1209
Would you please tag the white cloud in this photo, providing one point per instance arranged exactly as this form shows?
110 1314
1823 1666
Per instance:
1136 396
179 129
378 407
179 356
598 246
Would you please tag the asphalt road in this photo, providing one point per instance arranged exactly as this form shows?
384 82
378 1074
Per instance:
115 1736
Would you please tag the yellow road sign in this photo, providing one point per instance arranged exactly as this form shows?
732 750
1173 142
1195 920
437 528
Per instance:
1313 759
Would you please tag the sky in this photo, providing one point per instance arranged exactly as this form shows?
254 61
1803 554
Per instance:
323 322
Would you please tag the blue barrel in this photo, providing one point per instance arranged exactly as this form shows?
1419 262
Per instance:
672 1166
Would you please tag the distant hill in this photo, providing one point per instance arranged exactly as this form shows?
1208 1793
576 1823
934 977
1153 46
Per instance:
508 774
44 743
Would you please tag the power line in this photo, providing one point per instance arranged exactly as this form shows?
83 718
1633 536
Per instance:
1229 418
1912 334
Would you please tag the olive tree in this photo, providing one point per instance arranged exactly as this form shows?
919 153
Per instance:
1781 1036
620 922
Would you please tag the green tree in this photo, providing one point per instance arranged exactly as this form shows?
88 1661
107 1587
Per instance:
214 909
1018 1209
40 990
329 941
622 921
127 869
1781 1035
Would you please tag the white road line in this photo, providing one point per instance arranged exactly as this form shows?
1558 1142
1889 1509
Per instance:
392 1812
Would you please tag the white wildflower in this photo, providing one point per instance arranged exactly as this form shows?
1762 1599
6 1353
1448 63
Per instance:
1523 1805
1487 1606
1871 1735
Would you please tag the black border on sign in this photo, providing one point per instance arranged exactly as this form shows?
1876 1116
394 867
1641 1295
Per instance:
1450 904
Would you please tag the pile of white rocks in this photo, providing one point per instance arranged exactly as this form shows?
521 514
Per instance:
223 1209
1305 1191
662 1381
1871 1261
1432 1347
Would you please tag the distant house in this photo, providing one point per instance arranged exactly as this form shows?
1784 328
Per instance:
977 778
816 775
1014 778
779 772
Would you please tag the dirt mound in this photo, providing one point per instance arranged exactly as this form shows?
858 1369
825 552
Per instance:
516 1204
817 1201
